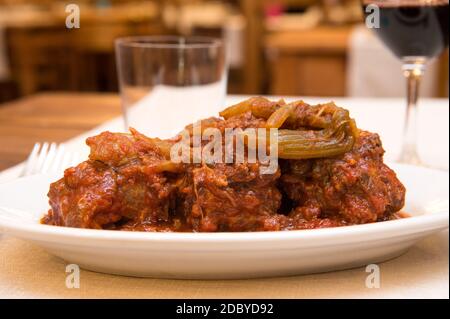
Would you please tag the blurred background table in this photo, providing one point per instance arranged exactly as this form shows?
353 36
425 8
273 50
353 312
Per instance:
50 117
275 46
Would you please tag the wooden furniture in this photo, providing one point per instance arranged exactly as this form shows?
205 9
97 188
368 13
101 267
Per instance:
313 62
279 62
40 58
310 62
253 11
443 75
52 117
8 91
45 55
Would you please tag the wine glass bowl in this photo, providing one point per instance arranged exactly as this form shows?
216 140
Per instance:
415 31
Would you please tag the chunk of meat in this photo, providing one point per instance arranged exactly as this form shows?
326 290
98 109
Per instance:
230 198
121 183
84 197
353 188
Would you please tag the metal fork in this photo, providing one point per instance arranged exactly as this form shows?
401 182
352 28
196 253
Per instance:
49 158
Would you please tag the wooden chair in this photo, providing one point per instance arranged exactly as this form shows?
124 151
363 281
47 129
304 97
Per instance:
254 69
40 58
52 57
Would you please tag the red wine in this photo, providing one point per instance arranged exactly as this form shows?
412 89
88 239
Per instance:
413 28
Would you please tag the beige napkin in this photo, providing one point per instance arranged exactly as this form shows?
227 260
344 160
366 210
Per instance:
27 271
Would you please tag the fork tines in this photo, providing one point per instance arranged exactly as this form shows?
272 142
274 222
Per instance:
49 158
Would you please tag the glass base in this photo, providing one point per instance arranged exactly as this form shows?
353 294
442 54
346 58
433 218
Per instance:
409 156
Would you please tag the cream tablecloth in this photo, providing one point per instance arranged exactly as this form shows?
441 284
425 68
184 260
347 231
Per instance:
27 271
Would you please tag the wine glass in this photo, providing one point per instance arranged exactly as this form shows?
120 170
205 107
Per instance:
415 31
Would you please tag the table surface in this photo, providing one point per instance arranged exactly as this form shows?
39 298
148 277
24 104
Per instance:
53 117
28 271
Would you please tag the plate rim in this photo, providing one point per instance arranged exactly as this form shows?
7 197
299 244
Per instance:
371 231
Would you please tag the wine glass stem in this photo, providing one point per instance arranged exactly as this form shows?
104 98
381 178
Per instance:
413 70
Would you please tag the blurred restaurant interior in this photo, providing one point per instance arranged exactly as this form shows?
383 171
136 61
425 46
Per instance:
289 47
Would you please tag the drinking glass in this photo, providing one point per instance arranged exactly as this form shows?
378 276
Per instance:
415 31
168 82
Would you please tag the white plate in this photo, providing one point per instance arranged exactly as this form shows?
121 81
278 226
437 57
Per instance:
229 255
